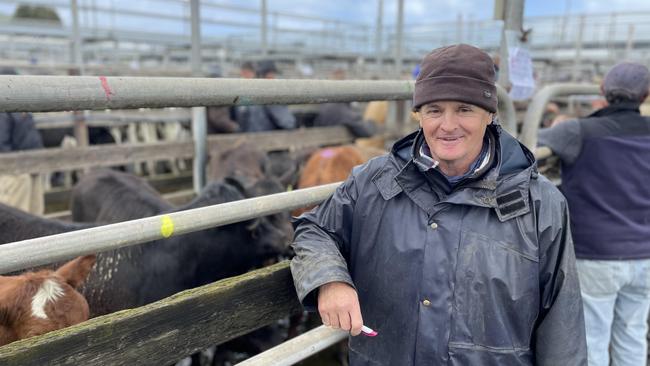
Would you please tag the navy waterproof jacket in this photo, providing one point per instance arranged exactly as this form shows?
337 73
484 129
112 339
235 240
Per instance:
18 132
482 274
605 168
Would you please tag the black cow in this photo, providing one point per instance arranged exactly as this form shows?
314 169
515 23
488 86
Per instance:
137 275
246 160
16 225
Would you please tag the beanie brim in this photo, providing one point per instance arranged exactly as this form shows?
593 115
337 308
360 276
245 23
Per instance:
455 88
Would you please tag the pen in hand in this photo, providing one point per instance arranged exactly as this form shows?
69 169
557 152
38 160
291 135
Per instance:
368 332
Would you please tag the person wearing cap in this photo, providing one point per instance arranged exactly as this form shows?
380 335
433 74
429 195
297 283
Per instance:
219 119
247 70
605 168
257 118
451 247
343 114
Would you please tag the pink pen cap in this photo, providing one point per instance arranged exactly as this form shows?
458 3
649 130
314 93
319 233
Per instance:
368 332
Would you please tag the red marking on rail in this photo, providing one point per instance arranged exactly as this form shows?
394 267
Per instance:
107 89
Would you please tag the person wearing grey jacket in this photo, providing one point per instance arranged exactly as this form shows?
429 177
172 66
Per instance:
451 247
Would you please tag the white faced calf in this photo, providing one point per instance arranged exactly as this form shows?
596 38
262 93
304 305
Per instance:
34 303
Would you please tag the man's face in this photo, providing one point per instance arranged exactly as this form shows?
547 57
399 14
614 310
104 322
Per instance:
454 132
247 73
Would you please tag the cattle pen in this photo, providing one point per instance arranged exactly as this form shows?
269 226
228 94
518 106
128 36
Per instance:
167 330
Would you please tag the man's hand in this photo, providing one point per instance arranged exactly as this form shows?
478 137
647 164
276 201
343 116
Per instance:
338 306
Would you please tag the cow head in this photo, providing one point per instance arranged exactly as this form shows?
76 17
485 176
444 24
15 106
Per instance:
35 303
273 233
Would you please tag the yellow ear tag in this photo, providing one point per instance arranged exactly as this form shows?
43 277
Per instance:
167 226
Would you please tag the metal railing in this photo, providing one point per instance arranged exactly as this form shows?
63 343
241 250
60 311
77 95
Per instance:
61 93
48 249
38 94
538 104
299 348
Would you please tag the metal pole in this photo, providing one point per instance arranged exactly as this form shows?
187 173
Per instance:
507 113
629 45
577 62
80 128
199 134
459 28
513 23
274 29
611 38
263 27
199 120
400 36
538 103
565 20
49 249
195 18
64 93
299 348
379 28
77 58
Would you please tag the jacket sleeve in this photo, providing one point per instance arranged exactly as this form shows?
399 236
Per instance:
559 337
219 120
281 116
5 132
321 244
361 128
24 135
564 139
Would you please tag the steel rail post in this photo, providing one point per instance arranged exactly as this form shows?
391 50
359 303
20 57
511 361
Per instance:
63 93
199 115
298 349
48 249
538 104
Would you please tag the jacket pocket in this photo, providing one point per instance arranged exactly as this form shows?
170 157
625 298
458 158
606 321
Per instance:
496 294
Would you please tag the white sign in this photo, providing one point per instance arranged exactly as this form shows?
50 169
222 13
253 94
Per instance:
520 66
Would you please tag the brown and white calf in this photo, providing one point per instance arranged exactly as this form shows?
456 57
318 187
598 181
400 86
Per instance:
35 303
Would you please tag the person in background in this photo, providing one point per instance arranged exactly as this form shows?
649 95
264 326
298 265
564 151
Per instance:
337 114
17 133
219 118
451 247
247 70
257 118
605 160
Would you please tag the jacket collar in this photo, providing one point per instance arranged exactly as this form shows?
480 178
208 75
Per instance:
617 108
504 187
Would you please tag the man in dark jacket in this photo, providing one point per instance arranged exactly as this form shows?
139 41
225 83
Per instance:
343 114
24 191
256 118
605 170
451 247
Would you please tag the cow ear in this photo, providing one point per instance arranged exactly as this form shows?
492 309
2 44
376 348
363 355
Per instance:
76 271
240 182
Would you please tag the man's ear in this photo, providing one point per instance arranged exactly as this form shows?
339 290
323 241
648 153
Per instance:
418 117
490 118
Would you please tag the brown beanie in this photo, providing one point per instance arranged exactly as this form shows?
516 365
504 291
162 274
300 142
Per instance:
461 73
